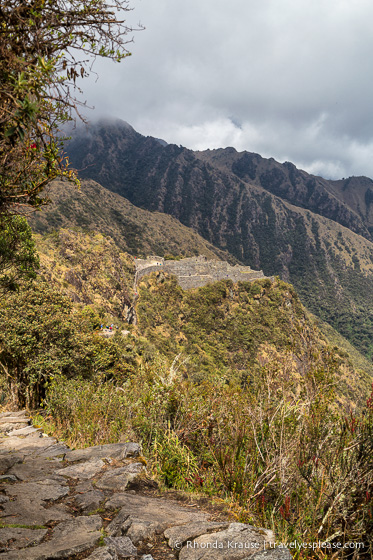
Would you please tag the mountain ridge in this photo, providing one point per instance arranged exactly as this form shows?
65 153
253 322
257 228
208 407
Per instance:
265 173
329 264
324 197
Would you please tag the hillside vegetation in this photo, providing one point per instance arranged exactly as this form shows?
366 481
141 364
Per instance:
231 388
232 330
223 327
88 268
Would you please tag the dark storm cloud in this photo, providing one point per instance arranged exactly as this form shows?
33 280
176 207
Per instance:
290 79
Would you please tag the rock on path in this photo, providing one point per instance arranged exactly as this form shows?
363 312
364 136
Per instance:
59 503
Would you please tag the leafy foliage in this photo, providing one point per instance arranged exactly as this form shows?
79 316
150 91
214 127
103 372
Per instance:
39 69
43 336
18 257
230 329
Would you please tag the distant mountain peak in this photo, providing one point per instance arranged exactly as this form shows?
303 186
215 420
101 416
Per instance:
112 121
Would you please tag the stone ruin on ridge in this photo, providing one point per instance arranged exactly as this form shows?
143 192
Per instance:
194 272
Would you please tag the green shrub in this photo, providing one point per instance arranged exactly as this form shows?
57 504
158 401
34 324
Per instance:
174 463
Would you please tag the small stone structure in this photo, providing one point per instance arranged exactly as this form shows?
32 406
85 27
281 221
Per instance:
195 272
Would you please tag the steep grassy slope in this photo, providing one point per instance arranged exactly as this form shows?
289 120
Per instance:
234 330
88 268
331 266
93 208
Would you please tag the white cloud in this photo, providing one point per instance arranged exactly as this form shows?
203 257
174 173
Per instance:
286 78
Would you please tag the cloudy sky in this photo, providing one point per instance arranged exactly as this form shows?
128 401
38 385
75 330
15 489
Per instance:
289 79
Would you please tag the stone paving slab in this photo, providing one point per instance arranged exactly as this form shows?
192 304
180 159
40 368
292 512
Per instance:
14 414
12 426
123 546
27 446
178 535
104 553
30 500
45 490
15 420
238 542
149 508
36 468
118 479
28 430
143 517
85 470
53 448
118 451
18 537
90 501
67 539
24 512
7 461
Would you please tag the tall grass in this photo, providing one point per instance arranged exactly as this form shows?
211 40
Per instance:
284 456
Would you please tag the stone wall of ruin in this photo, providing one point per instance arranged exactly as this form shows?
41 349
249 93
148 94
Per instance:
195 272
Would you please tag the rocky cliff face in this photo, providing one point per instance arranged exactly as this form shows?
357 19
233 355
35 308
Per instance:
348 202
268 216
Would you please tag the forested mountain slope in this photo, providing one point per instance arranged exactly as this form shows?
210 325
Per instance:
225 329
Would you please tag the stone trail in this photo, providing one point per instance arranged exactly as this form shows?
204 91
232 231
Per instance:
77 504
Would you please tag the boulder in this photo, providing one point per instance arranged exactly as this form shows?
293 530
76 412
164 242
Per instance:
17 537
123 546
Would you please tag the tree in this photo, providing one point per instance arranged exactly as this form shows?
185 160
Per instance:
18 257
46 47
43 336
